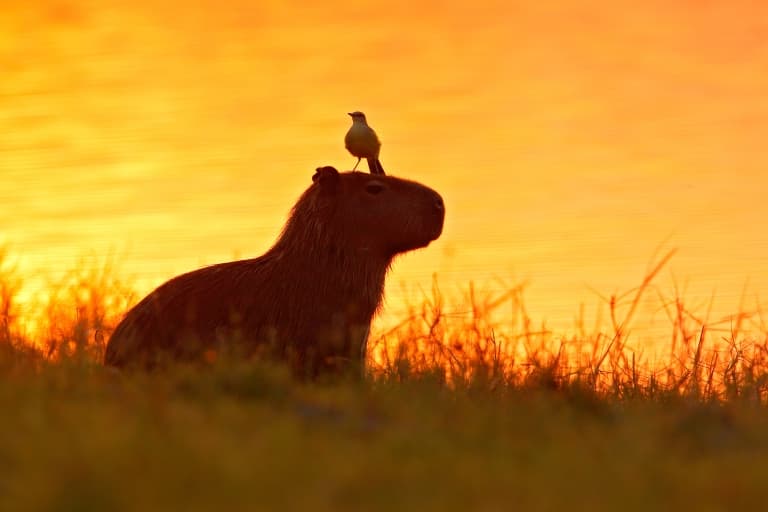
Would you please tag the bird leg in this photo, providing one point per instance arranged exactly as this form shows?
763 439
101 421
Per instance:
358 163
374 165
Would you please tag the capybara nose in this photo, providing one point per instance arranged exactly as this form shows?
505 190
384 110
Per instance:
439 206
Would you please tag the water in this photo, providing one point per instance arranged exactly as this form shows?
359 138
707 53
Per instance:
570 144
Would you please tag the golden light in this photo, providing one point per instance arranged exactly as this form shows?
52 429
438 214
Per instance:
571 143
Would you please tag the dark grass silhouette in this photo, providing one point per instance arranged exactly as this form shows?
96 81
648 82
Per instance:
464 408
484 341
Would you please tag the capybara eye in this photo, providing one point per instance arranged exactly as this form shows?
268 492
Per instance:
374 187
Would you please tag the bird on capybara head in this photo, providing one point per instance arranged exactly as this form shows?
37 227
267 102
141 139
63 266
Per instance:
307 301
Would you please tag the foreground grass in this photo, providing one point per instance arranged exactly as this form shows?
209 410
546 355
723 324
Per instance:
459 411
75 436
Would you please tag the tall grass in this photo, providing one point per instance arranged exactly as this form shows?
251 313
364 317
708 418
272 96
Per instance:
481 340
711 360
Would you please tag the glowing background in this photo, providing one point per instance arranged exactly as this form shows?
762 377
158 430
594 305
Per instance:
568 142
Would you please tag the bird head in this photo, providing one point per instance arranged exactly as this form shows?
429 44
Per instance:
357 116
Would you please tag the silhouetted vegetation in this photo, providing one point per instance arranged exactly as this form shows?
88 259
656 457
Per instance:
467 405
483 340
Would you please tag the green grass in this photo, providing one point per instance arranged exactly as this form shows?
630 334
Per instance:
243 437
458 412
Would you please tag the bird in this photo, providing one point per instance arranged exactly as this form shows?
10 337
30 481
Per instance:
362 142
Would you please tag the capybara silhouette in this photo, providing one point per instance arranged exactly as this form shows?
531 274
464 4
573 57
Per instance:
308 301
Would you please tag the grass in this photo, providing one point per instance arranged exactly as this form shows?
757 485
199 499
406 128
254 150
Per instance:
460 411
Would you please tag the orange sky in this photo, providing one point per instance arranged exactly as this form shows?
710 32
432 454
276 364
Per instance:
569 142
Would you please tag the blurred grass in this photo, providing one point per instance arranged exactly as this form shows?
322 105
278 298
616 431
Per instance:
79 437
460 411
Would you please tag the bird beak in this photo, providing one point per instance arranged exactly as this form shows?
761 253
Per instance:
349 113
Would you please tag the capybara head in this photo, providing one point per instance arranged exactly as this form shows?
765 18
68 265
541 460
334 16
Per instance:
374 215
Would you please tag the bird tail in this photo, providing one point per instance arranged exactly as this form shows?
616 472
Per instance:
375 166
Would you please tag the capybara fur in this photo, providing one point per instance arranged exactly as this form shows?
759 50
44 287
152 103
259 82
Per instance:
308 301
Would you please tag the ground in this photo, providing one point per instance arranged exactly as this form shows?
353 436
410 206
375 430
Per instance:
76 436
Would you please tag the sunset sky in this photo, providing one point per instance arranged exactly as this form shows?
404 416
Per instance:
571 143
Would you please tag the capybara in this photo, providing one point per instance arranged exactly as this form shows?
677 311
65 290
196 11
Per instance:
308 301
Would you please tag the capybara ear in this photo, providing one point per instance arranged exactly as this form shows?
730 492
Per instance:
325 176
